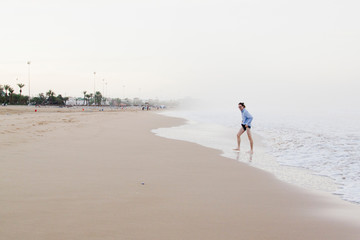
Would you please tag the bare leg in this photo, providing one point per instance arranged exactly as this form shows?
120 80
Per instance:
241 131
250 140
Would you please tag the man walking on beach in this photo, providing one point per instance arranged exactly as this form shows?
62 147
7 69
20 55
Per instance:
245 126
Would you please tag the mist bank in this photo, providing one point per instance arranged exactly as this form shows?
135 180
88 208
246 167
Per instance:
286 99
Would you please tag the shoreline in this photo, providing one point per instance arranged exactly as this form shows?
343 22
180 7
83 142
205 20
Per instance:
81 178
200 133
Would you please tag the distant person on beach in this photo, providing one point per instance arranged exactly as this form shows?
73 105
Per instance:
245 126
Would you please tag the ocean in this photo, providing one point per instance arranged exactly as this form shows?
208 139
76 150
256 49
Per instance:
316 150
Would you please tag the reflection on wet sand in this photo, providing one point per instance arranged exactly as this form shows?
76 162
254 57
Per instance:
244 157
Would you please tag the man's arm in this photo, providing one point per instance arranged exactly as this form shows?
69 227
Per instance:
247 119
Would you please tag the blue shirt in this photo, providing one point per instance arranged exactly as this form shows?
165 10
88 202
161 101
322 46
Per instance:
246 117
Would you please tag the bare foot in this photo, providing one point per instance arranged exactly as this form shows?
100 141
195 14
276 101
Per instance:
237 149
251 152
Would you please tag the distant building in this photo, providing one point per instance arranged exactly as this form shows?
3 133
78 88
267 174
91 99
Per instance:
75 101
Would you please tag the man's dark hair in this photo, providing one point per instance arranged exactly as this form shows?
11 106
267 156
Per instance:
242 104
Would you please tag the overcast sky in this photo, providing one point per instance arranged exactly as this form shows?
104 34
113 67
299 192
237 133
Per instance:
254 50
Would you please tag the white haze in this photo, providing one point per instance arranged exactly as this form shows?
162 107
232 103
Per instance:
270 54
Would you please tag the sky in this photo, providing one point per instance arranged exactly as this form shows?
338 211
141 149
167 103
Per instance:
258 51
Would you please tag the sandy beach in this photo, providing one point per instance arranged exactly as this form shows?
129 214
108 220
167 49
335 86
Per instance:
82 175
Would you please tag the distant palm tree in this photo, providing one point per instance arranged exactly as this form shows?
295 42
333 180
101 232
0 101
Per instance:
1 91
6 87
11 90
50 94
91 96
84 92
98 97
87 96
21 86
65 100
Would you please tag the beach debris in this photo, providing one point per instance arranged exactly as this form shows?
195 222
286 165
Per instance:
142 183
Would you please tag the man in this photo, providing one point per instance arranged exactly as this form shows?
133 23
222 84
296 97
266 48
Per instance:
245 127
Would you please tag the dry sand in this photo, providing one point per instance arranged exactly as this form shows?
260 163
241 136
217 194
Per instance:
73 174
